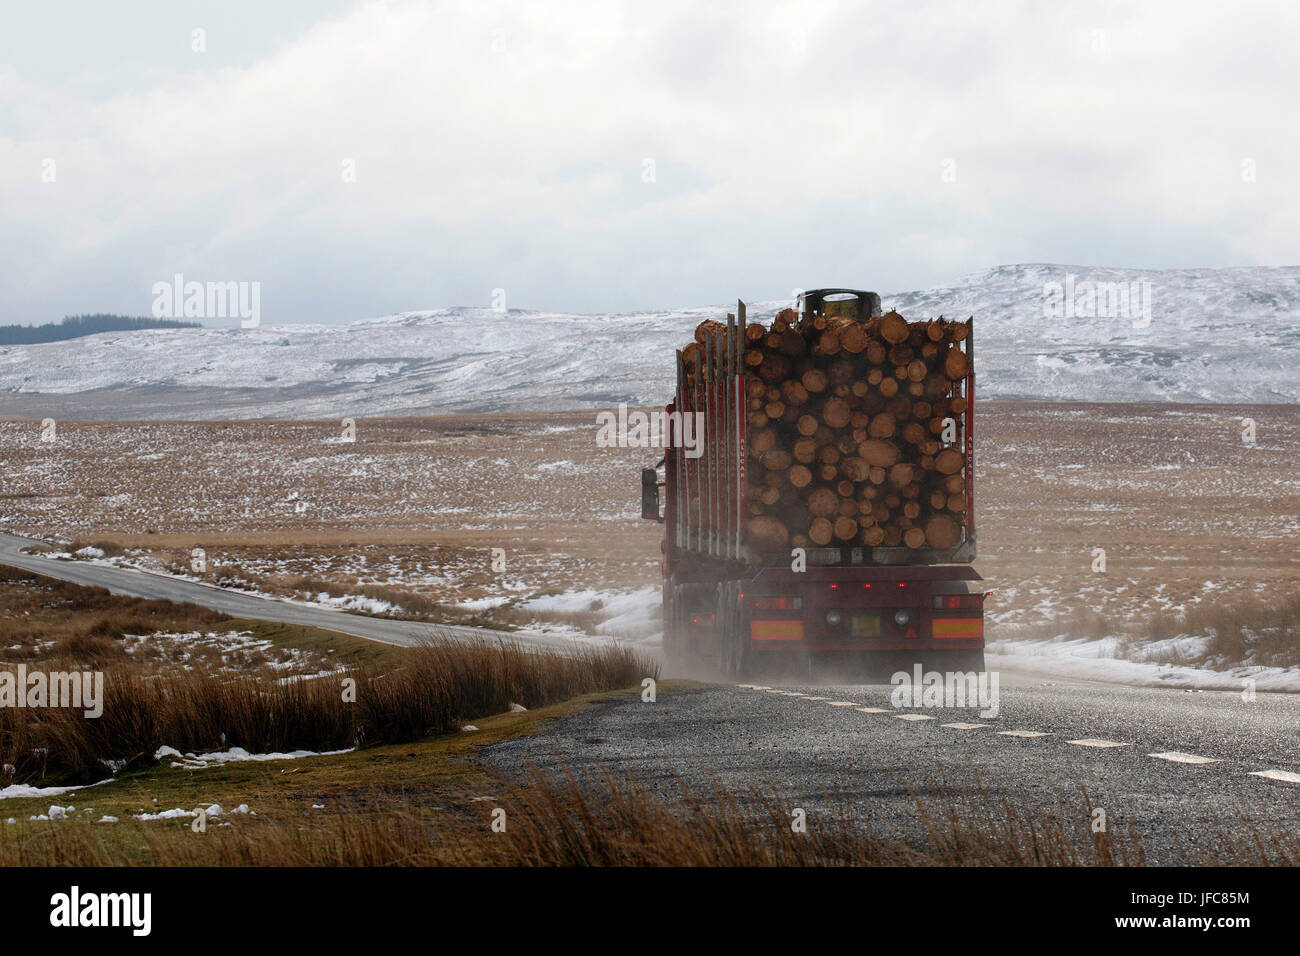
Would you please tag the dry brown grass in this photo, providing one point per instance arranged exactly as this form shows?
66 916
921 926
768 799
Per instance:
42 618
423 500
1257 629
436 690
552 821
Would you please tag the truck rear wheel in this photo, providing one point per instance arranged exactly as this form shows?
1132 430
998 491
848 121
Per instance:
733 644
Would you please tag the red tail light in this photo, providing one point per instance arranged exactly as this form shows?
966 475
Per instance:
945 602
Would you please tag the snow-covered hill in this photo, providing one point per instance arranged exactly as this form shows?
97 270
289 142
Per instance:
1224 335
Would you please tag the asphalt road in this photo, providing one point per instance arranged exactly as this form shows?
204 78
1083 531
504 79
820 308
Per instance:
816 749
163 587
1222 758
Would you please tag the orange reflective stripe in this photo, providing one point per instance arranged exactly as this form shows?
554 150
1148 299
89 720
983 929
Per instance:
958 627
776 630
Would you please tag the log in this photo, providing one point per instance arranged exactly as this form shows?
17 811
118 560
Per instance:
914 538
777 459
852 334
902 474
820 531
846 529
792 343
877 451
836 412
774 368
948 461
942 532
794 392
882 426
804 451
956 364
823 502
893 328
766 533
814 380
855 469
710 327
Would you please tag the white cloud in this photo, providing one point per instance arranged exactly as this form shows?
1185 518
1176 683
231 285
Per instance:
502 145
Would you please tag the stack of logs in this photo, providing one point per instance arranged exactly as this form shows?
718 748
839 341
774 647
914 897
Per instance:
846 426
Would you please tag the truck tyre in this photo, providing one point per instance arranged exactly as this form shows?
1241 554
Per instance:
734 641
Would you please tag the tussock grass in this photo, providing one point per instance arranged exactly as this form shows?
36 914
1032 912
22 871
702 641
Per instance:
554 821
1262 629
401 694
1259 629
435 690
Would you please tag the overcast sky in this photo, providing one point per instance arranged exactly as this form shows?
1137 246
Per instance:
629 155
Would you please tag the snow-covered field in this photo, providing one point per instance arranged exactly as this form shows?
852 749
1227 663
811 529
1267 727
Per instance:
1218 335
406 518
1099 659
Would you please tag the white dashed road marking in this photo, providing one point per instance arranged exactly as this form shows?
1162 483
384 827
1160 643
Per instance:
1177 756
1095 742
1286 776
1173 756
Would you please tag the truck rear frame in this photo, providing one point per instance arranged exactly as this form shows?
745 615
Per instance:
728 607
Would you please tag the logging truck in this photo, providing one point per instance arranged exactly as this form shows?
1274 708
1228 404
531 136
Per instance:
825 516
